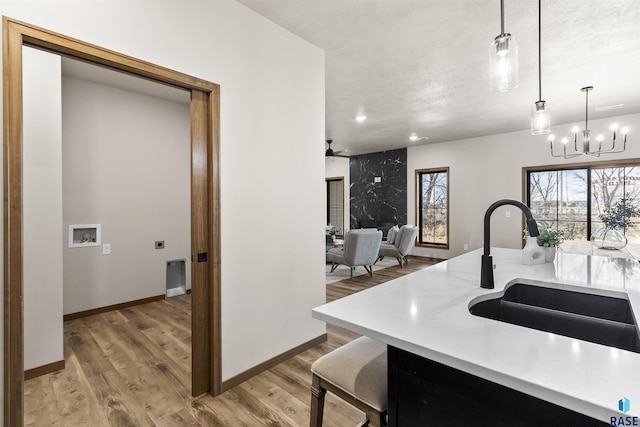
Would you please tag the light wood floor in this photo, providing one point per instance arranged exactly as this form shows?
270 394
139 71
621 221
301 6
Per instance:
132 368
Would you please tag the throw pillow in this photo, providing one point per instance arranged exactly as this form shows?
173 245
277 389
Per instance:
391 234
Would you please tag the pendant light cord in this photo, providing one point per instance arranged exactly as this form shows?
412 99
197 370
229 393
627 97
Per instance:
501 16
539 50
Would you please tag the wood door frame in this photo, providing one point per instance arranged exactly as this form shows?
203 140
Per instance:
205 203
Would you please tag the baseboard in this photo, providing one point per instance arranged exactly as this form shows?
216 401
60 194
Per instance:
86 313
43 370
240 378
93 311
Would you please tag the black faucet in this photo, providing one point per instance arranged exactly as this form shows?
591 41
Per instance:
486 275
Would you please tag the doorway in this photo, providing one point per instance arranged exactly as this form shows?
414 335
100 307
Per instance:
205 203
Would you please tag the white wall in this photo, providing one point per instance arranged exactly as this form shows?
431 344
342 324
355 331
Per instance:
42 214
338 167
272 164
486 169
126 166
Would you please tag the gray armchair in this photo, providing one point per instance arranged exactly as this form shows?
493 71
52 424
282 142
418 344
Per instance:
405 239
360 249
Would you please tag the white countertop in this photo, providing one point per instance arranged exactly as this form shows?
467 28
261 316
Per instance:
427 313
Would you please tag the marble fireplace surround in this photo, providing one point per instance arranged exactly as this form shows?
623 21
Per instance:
378 190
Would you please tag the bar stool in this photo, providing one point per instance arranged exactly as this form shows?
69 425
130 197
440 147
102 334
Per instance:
356 373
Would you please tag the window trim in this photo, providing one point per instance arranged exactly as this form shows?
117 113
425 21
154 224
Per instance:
619 163
327 180
418 213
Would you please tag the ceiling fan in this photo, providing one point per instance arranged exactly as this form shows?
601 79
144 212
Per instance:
331 153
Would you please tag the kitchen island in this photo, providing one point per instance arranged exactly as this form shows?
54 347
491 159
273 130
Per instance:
426 315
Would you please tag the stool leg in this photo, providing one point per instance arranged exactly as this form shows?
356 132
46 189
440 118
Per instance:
377 419
317 402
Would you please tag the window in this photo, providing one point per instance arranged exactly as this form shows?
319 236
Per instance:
572 199
335 204
433 207
558 199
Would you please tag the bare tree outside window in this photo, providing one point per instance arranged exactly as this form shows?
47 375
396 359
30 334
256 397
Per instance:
433 207
572 199
609 186
558 200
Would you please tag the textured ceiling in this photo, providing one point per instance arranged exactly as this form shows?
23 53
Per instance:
422 66
89 72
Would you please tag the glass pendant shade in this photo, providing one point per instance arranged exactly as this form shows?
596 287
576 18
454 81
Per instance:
503 63
540 118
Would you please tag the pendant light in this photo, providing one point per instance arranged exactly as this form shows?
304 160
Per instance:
503 59
540 117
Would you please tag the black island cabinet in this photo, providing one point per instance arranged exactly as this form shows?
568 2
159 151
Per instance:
427 393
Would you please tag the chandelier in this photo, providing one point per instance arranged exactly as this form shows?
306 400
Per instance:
584 146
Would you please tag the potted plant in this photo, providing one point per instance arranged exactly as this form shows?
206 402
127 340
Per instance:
330 232
616 218
549 239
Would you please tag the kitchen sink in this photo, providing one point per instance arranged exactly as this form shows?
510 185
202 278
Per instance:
600 319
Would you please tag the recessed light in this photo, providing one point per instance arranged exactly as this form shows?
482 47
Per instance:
413 137
361 118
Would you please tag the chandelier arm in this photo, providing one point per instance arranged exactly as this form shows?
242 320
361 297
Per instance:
570 156
612 150
564 155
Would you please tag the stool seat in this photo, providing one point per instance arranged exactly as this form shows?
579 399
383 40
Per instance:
355 372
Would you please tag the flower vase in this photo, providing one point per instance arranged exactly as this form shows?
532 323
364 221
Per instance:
549 253
532 254
608 238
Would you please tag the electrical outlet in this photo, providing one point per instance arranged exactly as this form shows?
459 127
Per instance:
508 214
466 247
106 249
